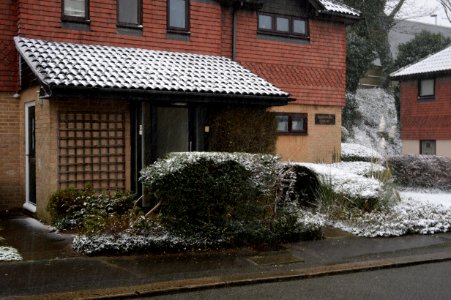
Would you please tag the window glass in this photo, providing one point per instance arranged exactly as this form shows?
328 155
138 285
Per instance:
427 87
282 123
428 147
177 14
75 8
128 11
264 22
282 24
299 27
297 124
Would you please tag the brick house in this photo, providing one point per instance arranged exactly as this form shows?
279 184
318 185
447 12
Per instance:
92 90
425 97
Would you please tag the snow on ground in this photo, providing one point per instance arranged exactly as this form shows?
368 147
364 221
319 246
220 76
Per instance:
9 254
428 197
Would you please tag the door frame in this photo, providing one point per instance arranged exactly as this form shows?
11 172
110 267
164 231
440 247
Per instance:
30 206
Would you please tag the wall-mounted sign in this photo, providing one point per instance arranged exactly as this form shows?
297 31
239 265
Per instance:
324 119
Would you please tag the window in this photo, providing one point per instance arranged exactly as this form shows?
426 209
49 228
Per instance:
426 89
178 15
129 13
75 11
282 25
427 147
292 123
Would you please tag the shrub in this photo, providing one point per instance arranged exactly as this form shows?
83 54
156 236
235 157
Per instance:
86 210
66 207
212 195
243 129
297 184
421 171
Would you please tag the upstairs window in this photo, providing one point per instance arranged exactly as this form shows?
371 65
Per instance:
75 11
282 25
178 15
426 89
129 13
291 123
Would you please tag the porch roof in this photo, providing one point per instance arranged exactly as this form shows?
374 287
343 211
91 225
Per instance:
96 67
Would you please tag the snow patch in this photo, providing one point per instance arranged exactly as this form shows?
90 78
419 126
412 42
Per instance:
358 167
428 197
9 254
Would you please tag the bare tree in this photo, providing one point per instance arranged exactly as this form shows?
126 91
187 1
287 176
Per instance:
447 7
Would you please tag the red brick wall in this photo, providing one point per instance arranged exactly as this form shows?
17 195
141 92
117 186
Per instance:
42 19
8 55
313 73
426 119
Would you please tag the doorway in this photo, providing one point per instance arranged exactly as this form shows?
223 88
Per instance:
30 157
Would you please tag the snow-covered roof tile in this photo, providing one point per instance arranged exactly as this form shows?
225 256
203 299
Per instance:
438 62
70 64
340 8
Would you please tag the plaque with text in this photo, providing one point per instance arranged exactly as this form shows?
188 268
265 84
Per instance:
324 119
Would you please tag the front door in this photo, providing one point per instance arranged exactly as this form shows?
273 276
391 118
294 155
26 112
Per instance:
30 153
172 130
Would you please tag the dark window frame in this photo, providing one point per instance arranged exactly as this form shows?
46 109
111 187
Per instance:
430 141
139 25
426 97
290 33
290 123
172 29
73 19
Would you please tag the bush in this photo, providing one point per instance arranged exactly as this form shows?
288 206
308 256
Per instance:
66 207
421 171
86 210
243 129
297 184
213 195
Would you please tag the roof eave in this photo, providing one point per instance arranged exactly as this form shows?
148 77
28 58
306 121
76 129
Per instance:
169 96
421 75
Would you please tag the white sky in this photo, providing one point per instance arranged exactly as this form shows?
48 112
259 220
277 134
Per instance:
420 11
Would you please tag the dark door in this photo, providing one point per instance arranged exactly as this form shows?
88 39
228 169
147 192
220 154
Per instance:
31 155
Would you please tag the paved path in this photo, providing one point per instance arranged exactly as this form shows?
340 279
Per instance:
51 270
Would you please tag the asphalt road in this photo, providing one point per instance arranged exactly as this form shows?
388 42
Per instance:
427 281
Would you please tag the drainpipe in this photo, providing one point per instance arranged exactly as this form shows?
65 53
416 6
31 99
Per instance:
236 6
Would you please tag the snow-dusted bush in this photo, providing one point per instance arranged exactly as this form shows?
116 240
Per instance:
86 209
428 171
227 195
377 124
356 152
296 184
406 217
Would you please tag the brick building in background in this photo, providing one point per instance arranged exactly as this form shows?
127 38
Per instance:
425 101
91 90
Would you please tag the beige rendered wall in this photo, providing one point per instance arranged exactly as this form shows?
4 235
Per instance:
410 147
47 141
443 148
322 142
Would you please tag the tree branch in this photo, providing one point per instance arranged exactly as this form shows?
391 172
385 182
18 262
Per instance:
447 7
396 9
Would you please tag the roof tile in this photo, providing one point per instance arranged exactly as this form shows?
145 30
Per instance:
64 64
